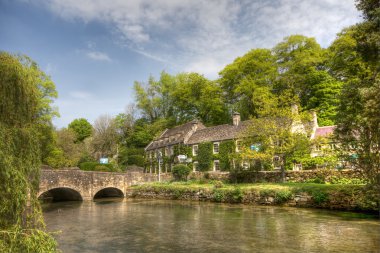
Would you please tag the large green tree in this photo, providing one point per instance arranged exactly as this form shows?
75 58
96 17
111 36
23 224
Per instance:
82 129
248 82
181 98
357 48
21 225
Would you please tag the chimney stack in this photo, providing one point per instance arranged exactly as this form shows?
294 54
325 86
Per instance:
315 119
294 109
236 118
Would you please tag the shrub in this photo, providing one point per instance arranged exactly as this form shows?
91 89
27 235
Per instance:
94 166
88 166
320 197
237 195
137 160
282 196
101 167
180 172
218 195
218 184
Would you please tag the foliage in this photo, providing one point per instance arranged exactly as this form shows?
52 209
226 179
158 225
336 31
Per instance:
82 129
277 135
204 156
137 160
180 172
226 153
95 166
181 98
359 110
21 224
248 81
66 153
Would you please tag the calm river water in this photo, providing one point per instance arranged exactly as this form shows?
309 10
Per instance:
175 226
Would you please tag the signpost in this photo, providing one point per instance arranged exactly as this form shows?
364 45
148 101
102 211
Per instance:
159 158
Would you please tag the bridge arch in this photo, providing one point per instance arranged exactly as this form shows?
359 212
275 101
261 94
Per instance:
109 192
58 194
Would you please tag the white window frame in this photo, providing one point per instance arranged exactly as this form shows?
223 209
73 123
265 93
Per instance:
213 147
195 165
214 166
237 144
195 147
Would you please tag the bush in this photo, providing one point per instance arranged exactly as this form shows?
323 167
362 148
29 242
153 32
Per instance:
94 166
218 184
137 160
180 172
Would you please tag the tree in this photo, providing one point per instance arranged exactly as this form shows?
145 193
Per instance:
197 98
324 96
247 79
21 224
275 134
297 56
105 136
359 109
67 151
82 129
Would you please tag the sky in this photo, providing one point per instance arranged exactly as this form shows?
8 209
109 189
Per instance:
94 50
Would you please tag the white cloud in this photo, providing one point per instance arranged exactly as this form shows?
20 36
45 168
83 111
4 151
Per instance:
206 35
98 56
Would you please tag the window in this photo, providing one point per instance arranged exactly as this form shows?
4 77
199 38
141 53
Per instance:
166 151
216 147
245 165
195 150
238 146
195 166
170 150
216 165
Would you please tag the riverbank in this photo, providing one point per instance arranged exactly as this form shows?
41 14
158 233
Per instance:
327 196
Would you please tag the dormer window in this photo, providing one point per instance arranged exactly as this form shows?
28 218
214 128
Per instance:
216 148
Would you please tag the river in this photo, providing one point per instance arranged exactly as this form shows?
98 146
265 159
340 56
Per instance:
175 226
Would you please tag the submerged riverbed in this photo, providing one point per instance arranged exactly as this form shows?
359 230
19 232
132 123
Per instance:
177 226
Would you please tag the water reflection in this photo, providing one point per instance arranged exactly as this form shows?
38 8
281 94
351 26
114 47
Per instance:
174 226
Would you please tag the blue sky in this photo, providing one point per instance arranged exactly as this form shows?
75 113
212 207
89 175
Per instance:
94 50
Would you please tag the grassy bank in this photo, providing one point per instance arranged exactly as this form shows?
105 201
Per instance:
329 196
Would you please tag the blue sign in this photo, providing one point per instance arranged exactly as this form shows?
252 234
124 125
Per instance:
255 147
103 160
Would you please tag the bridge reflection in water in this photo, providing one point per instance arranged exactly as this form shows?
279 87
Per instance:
77 185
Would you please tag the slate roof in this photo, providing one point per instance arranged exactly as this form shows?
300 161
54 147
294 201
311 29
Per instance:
174 135
324 131
218 133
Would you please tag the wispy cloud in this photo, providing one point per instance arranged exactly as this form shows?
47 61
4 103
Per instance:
206 35
98 56
80 95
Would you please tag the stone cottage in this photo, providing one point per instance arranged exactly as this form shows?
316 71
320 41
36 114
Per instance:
181 143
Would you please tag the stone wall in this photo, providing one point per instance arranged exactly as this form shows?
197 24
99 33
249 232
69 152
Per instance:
344 197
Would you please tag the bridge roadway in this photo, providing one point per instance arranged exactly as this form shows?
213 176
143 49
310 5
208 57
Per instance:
73 184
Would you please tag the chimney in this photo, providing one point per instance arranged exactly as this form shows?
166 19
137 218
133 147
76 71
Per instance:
314 118
236 119
294 109
194 125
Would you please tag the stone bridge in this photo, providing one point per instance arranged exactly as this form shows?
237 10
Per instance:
74 184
